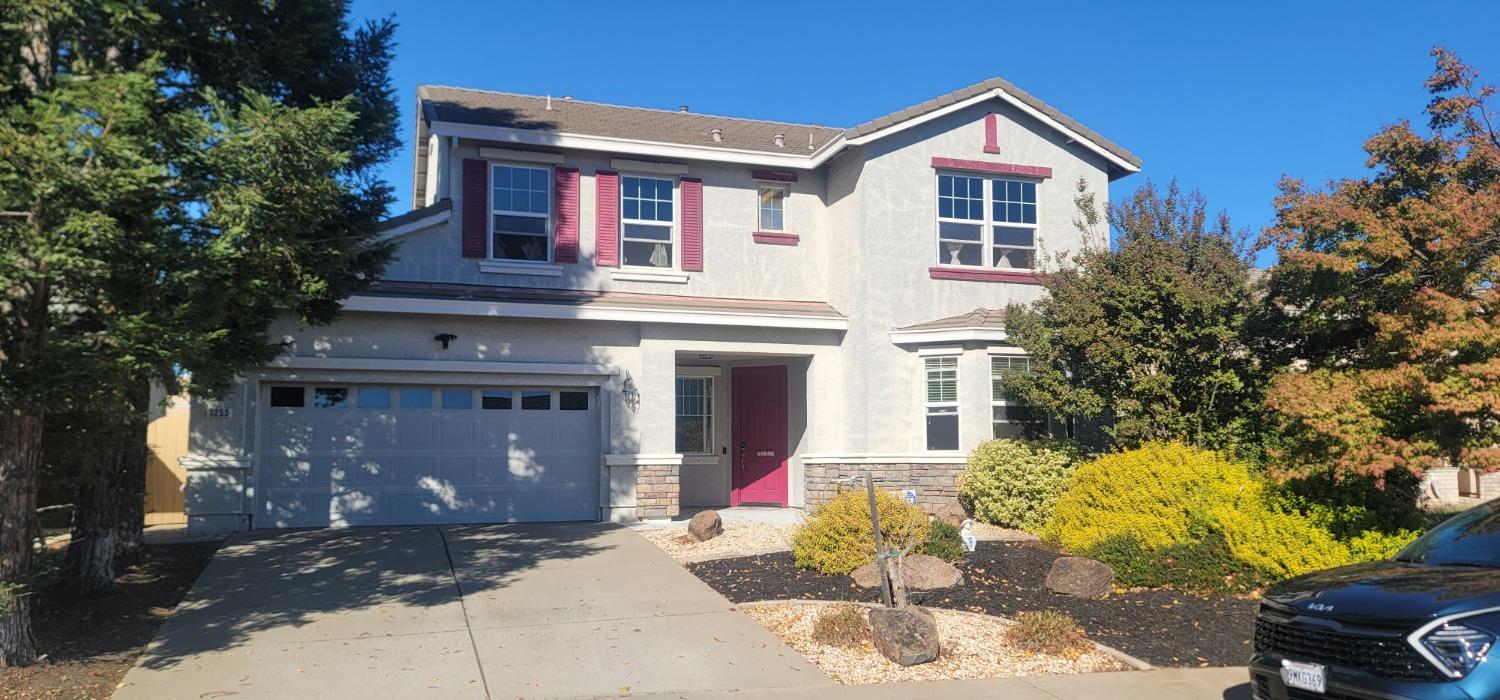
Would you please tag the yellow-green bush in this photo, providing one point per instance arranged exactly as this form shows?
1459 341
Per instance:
839 538
1169 514
1156 494
1016 482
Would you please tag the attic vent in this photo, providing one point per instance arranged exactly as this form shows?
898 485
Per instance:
780 140
682 109
716 134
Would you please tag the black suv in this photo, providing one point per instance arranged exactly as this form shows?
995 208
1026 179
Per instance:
1422 625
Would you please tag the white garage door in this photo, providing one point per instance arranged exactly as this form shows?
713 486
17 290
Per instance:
362 454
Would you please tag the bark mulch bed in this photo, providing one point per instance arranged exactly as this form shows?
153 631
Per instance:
1162 627
90 643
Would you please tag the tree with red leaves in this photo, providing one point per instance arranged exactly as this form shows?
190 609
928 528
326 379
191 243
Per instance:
1384 306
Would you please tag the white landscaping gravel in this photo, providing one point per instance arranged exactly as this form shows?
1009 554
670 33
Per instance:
973 646
739 539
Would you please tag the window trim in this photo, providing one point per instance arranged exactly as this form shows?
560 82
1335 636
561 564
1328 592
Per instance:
987 224
674 227
708 405
786 194
955 404
550 224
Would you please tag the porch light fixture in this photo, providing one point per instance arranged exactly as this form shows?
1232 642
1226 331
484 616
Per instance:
445 338
631 395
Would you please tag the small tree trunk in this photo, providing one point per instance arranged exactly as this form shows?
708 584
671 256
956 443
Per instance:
131 512
20 458
91 549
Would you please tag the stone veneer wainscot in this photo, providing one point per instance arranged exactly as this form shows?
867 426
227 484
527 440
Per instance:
935 483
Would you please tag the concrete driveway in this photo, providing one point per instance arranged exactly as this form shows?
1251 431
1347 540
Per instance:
508 611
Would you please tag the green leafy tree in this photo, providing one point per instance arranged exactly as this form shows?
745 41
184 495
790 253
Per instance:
1384 307
149 232
1147 333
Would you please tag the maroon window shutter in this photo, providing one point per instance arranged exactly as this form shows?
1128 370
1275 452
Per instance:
692 224
607 218
566 242
476 213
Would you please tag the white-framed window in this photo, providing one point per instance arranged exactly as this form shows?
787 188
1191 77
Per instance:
648 216
940 401
695 415
1009 418
986 222
521 213
772 206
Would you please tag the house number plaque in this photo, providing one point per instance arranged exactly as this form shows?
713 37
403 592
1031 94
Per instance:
765 453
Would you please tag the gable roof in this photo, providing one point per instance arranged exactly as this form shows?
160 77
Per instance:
504 109
549 121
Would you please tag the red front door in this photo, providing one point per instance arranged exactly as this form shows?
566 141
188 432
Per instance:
759 435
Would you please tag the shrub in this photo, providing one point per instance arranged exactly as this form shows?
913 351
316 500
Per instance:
839 539
1156 493
842 625
1169 514
1016 482
944 542
1047 632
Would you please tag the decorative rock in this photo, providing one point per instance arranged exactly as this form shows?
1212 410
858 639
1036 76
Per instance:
952 514
706 525
1077 576
921 572
907 636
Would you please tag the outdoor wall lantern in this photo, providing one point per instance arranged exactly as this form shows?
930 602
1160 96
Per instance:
631 395
445 338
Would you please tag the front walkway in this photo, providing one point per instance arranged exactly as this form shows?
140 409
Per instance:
515 611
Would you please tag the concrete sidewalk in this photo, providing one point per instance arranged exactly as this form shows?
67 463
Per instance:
1161 684
456 612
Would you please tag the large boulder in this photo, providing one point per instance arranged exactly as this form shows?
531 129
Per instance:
920 572
1077 576
706 525
907 636
952 514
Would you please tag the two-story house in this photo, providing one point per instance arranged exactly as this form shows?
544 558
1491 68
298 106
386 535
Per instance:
600 312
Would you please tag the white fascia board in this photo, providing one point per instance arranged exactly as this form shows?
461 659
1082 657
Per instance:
370 364
1012 100
416 225
610 144
1088 143
948 335
917 121
501 309
888 458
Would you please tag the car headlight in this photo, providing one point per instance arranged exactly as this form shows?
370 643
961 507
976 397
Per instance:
1457 648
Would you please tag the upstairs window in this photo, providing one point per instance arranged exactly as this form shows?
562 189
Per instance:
941 402
521 200
987 222
647 219
772 207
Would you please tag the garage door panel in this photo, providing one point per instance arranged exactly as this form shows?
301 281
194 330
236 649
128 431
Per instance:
430 462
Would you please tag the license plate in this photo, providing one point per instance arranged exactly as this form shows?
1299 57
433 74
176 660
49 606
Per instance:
1304 676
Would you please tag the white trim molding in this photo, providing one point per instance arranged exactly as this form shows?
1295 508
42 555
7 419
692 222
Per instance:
642 460
1006 350
648 166
636 147
948 335
508 267
370 364
939 350
491 153
643 276
944 457
504 309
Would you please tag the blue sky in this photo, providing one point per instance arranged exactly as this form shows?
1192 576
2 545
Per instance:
1226 97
